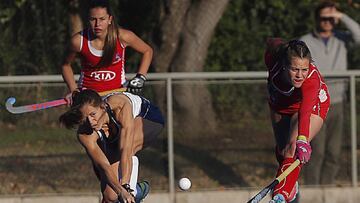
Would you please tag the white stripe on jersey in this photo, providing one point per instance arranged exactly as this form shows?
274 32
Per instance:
136 103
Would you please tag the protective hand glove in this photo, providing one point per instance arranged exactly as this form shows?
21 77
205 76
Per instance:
136 84
303 150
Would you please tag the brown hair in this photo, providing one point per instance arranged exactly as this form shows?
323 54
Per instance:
294 48
73 116
111 37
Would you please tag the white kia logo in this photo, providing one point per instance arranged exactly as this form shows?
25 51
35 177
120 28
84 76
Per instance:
103 75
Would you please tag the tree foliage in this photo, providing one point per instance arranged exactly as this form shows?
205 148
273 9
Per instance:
34 33
238 44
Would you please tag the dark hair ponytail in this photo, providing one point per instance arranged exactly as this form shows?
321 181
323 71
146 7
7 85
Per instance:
73 116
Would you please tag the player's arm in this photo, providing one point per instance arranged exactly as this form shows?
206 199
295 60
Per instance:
122 108
128 38
67 71
310 93
99 159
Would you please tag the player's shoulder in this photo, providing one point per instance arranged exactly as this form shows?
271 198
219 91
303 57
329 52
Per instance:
123 31
76 41
312 65
314 72
117 100
125 34
77 35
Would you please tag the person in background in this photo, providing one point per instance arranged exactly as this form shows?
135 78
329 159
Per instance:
129 123
101 48
299 102
328 47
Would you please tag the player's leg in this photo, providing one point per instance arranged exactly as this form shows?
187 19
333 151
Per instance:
282 127
147 129
286 131
138 188
134 174
146 132
109 195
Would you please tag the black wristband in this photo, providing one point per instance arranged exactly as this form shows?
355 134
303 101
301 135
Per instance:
126 186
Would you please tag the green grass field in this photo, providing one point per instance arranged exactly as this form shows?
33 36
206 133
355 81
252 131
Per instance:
36 141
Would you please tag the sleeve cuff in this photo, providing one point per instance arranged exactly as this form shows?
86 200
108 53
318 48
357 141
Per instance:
302 138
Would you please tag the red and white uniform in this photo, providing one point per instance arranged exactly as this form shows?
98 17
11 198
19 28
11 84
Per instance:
311 98
103 78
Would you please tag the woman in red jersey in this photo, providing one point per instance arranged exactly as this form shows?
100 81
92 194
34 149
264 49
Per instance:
101 48
299 102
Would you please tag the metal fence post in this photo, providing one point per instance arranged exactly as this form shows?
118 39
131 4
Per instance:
353 130
170 139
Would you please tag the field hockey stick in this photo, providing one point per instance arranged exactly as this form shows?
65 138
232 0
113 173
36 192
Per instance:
259 196
31 107
34 107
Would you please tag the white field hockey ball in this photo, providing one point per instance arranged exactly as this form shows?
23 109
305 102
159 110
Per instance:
184 183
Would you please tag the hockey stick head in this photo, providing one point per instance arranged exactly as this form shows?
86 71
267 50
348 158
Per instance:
10 101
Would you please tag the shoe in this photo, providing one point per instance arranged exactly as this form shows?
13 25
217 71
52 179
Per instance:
278 198
144 188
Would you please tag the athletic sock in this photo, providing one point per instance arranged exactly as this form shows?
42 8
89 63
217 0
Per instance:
134 175
285 186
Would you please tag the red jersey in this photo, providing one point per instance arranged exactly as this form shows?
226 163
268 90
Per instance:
311 98
105 78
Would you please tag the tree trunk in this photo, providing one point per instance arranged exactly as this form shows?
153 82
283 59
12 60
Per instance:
166 39
184 37
74 16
